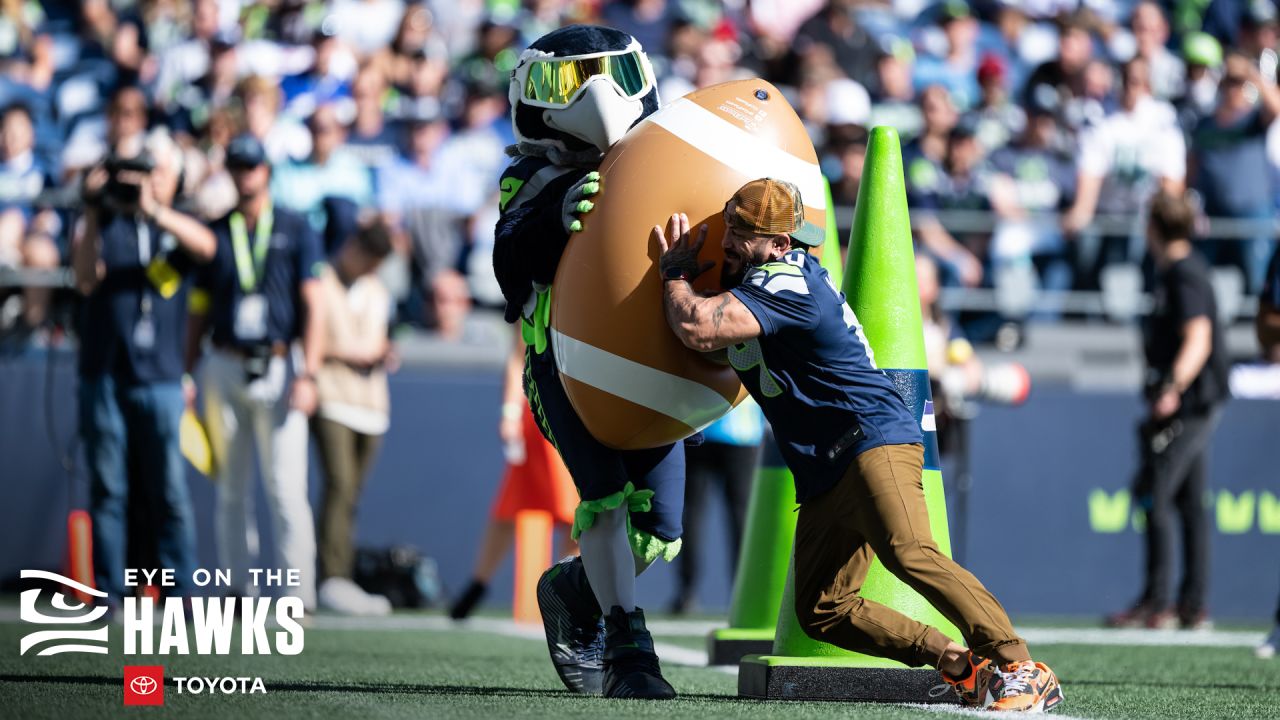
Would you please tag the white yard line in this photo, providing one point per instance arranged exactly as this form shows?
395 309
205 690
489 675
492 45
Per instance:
973 712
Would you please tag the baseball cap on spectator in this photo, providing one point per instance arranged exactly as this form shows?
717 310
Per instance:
953 10
965 128
847 103
245 152
1259 13
328 28
992 69
1199 48
772 207
896 47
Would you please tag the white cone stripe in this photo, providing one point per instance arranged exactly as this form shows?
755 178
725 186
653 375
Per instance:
739 150
678 398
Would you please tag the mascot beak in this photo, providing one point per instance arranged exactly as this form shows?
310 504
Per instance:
599 115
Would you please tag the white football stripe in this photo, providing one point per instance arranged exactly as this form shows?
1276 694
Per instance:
693 404
741 151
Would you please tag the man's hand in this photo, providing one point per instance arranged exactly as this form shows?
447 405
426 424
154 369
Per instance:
682 252
302 397
94 181
576 204
1166 403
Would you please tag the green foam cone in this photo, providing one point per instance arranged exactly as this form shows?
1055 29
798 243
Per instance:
831 261
763 560
880 285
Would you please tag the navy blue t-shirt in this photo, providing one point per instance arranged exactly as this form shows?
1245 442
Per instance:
293 255
144 268
814 375
1232 174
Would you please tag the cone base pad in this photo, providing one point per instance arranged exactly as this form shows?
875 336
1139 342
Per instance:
770 678
729 645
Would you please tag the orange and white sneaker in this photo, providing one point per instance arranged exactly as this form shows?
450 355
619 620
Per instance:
971 687
1024 686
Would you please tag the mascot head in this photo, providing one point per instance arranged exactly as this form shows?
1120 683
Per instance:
581 88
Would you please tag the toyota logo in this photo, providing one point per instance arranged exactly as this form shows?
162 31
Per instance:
143 685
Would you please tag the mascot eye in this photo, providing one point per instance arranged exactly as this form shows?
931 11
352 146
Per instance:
555 83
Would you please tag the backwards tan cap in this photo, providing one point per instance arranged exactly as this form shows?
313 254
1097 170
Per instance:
771 207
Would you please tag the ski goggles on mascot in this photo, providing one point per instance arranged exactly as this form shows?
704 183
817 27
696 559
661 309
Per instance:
556 82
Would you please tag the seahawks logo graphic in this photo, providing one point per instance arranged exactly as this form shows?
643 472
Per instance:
69 622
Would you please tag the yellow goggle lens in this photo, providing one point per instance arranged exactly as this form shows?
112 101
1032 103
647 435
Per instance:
558 81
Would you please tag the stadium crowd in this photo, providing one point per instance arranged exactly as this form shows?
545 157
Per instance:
1046 117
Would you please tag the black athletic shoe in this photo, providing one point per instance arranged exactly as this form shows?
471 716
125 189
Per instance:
471 597
575 631
630 665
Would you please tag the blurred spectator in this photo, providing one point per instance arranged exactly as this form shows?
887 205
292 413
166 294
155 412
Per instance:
421 92
354 408
367 25
847 147
1123 160
21 178
725 464
957 70
122 132
1065 75
259 295
834 34
1150 30
326 82
648 21
26 233
1203 57
1259 31
893 94
1032 179
996 117
284 138
371 138
132 258
332 171
191 106
182 64
938 167
1229 166
1186 388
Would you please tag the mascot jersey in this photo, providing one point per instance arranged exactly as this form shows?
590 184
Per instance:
574 93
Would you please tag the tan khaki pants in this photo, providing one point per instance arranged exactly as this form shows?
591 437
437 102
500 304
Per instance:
878 509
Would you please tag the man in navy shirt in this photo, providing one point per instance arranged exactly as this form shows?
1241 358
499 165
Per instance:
260 293
853 447
132 260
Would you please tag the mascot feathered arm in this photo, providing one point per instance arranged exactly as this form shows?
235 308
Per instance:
530 234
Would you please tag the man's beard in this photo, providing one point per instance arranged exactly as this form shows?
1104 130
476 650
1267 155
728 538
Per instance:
732 279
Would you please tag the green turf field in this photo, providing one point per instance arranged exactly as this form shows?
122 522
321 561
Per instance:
419 667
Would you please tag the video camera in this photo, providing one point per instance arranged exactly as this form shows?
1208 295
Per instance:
119 194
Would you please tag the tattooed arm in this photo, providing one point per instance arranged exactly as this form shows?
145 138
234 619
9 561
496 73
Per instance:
702 323
707 323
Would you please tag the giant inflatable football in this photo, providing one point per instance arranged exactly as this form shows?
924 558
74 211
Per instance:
631 381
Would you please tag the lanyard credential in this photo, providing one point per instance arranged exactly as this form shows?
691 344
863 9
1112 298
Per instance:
250 268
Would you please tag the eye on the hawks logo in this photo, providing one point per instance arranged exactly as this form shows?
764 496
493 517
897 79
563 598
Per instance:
69 612
143 684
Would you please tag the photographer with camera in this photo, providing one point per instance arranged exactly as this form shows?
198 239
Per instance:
132 257
261 293
1187 374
